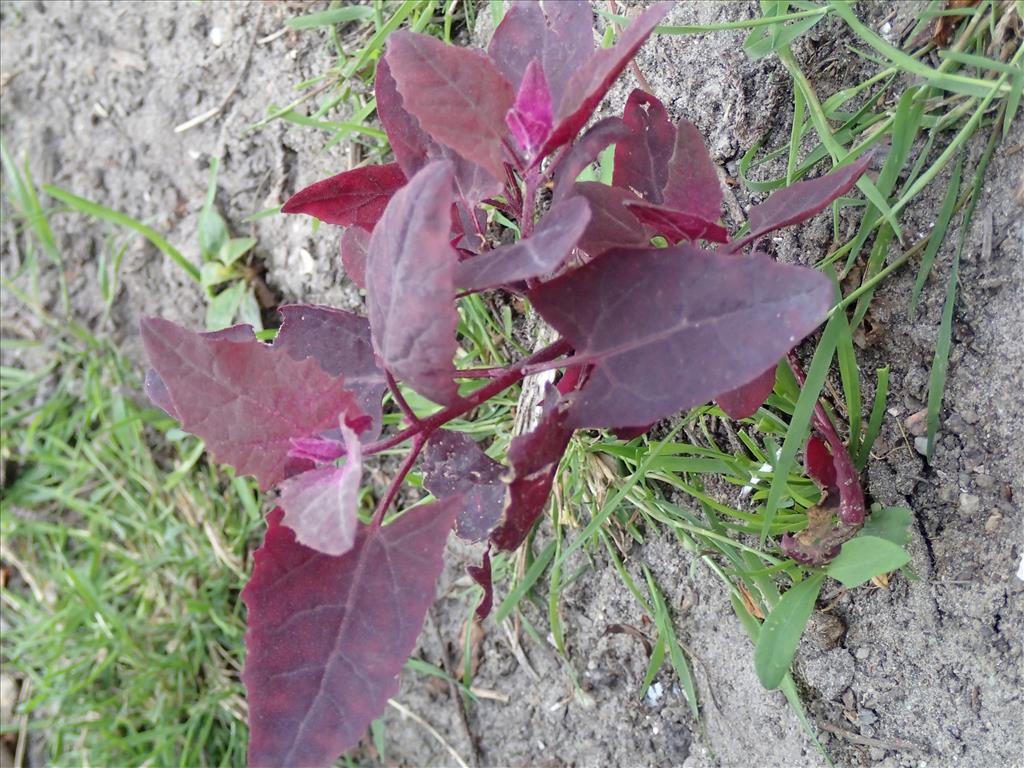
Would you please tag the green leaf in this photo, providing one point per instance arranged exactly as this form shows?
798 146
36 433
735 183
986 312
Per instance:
214 273
889 523
249 309
221 311
781 630
865 557
213 234
331 17
232 250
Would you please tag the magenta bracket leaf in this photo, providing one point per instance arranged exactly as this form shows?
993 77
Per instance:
357 197
454 464
530 118
458 96
539 255
328 636
667 329
410 289
246 399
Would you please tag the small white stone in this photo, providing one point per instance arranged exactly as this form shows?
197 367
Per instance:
969 503
216 37
921 445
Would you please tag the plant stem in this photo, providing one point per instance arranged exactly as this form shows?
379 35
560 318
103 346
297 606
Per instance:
400 400
378 514
509 376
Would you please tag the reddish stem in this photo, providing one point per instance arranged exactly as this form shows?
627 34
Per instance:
400 400
382 506
511 375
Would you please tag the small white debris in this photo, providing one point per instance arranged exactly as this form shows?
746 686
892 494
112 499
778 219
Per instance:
654 694
216 37
1020 569
306 264
921 445
754 480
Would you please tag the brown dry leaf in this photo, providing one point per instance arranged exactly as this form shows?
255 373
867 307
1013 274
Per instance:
944 25
881 581
748 601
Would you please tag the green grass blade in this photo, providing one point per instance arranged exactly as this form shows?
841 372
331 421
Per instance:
940 363
331 17
875 420
969 86
799 425
90 208
529 579
780 633
938 234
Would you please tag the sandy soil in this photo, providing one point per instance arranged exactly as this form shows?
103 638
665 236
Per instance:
927 672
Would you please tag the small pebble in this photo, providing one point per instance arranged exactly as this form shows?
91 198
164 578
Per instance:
216 37
993 522
969 503
862 653
921 445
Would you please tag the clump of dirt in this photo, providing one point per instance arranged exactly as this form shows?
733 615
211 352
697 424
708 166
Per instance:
922 671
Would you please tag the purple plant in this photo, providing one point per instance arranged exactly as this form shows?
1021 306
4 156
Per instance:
335 605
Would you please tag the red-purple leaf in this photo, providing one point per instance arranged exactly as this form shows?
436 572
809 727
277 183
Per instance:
321 505
340 342
539 255
530 118
668 165
558 33
354 242
667 329
457 94
742 402
642 157
354 198
534 458
693 184
591 79
584 152
328 636
409 285
676 225
481 574
612 224
414 148
157 392
247 400
453 464
798 202
818 463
